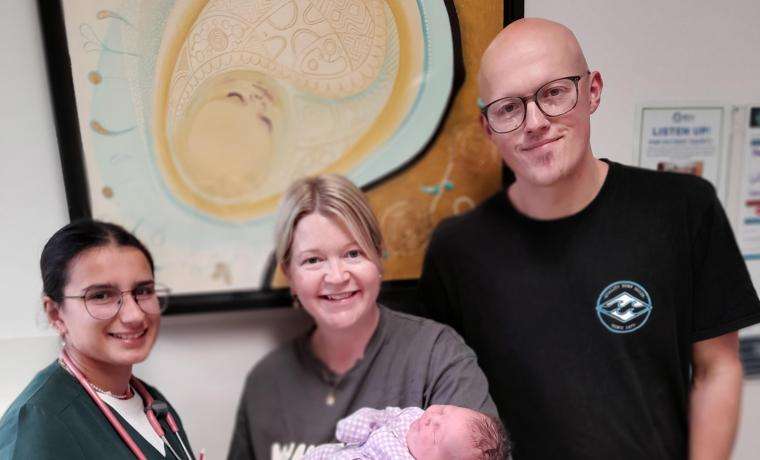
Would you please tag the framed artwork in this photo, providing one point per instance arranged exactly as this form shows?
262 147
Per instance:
185 121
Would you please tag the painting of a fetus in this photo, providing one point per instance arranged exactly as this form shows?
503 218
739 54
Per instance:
230 135
252 95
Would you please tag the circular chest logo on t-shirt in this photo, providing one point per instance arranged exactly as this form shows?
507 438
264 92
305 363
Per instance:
623 306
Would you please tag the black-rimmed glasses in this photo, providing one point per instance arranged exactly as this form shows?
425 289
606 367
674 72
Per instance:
553 99
104 302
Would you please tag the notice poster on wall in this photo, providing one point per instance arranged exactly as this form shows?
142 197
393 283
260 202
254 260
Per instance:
745 204
749 206
683 139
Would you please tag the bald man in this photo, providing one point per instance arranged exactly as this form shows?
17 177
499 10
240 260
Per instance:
603 301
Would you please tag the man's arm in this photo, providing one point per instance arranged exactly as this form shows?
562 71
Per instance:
715 397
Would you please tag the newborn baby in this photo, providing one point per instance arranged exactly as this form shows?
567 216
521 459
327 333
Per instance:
440 432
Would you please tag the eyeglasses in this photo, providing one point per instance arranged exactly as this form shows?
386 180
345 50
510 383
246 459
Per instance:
104 302
553 99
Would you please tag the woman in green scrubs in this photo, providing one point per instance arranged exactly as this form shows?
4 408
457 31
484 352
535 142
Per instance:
101 297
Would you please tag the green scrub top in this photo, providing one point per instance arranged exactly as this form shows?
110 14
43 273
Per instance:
55 418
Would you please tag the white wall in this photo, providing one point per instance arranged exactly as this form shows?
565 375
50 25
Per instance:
200 360
660 50
32 204
666 51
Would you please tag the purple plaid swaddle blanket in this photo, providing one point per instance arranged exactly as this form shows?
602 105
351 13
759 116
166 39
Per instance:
370 434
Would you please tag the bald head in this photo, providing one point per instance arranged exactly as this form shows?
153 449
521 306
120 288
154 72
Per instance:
525 49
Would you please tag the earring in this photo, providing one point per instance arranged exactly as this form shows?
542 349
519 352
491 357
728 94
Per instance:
296 303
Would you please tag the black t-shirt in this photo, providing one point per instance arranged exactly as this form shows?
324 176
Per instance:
584 325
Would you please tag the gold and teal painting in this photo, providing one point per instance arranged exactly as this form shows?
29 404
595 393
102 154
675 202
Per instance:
195 116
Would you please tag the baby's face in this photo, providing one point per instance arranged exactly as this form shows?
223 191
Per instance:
443 432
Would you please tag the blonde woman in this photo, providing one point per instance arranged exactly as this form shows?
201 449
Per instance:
358 354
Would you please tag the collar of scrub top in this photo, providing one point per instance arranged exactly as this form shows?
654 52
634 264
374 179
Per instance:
151 407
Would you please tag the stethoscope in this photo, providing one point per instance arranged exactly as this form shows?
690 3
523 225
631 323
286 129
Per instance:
151 408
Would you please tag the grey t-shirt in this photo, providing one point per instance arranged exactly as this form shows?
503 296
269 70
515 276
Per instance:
292 401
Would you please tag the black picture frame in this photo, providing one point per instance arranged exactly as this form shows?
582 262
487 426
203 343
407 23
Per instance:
399 294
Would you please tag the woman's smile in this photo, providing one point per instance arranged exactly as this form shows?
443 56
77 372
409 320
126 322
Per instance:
130 339
340 297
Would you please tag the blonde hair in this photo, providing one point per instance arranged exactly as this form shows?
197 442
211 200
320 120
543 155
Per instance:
332 196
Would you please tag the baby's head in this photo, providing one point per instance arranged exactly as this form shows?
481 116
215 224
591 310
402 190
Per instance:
446 432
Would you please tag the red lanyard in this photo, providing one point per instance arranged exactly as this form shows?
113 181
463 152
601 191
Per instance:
149 412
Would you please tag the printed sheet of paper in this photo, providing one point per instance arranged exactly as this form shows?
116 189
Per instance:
683 139
748 232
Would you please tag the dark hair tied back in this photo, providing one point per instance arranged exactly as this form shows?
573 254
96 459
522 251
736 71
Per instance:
71 240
